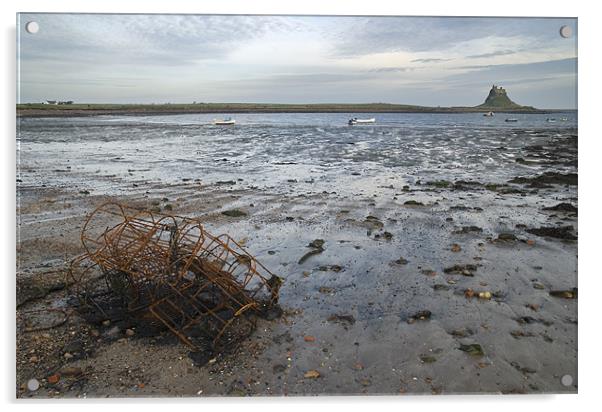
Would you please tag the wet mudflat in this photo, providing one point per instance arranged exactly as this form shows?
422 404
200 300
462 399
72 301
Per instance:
415 259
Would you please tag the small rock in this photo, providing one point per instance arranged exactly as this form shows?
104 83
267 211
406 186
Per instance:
516 334
279 368
71 371
534 307
309 338
129 332
507 237
462 333
106 322
67 355
413 203
234 213
562 207
52 379
312 374
33 385
326 290
422 315
485 295
561 232
455 247
342 319
468 229
526 320
465 270
317 243
401 261
565 294
473 349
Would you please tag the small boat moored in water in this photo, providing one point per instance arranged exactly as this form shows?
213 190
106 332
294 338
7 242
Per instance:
489 114
355 120
224 122
511 120
551 120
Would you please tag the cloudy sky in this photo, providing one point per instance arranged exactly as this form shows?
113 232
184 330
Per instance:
285 59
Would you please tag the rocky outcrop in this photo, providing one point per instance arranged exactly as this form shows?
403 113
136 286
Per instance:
498 99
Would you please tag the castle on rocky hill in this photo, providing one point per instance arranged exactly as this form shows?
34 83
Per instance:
498 98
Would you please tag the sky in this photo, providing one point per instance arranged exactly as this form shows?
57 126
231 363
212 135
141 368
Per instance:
430 61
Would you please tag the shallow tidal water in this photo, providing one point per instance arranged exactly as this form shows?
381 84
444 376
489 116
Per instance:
320 151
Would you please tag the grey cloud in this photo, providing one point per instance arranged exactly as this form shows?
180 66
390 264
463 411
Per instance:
152 39
492 54
393 69
430 60
362 35
301 80
522 69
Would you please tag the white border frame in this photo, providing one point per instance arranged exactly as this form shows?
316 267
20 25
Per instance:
589 152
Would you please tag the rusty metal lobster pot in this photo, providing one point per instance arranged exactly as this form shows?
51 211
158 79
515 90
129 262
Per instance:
171 268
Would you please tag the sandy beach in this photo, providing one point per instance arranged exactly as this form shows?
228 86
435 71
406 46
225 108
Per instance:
440 279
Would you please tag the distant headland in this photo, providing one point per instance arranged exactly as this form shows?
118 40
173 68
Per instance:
497 100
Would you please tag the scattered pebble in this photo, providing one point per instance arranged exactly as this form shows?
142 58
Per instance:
312 374
33 385
565 294
52 379
422 315
473 349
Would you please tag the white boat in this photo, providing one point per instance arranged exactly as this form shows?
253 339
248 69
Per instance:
355 120
489 114
551 120
224 122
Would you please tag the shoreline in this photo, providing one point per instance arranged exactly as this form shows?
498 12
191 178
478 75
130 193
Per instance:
150 110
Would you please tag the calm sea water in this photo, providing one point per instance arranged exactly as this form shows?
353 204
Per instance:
115 154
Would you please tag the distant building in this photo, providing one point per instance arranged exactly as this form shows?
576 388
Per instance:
50 102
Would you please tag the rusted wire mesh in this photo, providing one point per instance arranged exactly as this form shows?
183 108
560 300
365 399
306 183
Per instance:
170 268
